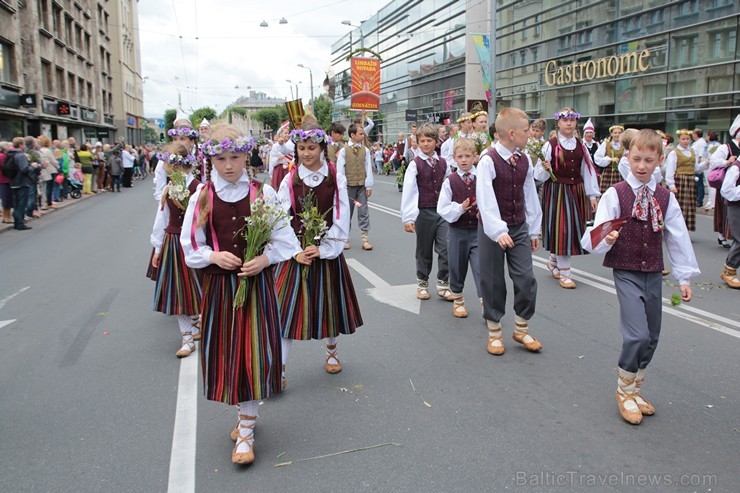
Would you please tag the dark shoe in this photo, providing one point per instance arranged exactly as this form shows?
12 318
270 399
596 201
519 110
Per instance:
22 227
723 243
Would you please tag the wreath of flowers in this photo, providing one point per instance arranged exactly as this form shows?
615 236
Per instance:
215 147
314 135
178 159
465 118
477 114
614 127
566 115
183 132
683 131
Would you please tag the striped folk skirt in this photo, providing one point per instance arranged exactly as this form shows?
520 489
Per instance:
151 271
686 196
608 178
177 291
565 210
721 221
240 352
321 305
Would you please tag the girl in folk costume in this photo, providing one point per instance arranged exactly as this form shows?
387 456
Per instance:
182 133
681 164
479 117
315 290
466 126
178 287
607 157
204 134
592 145
569 195
281 156
240 356
722 157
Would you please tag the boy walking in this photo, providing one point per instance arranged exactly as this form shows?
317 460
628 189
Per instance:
509 229
635 253
354 162
457 206
421 186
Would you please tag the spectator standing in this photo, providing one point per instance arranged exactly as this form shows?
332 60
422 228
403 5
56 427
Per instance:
22 183
52 168
33 156
128 166
6 194
85 159
116 169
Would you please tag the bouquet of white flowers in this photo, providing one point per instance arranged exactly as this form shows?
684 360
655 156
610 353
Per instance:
313 224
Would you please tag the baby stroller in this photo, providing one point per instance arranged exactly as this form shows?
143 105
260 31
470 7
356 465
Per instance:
75 188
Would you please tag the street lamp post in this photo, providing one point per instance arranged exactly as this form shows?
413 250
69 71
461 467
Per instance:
310 75
291 88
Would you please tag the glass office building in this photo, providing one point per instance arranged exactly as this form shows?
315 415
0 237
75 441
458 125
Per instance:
642 63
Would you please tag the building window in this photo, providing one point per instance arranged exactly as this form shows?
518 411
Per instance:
686 50
56 20
689 7
72 87
61 91
68 30
46 82
6 55
90 99
81 89
44 13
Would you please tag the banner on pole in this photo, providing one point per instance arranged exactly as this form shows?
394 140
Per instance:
365 83
482 44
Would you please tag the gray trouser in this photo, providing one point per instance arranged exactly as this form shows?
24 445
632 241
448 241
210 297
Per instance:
363 213
492 281
462 247
640 314
431 234
733 216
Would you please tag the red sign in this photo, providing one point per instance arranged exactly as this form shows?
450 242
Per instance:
63 109
365 84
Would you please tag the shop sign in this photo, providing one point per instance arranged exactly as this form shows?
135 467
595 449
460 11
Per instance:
63 109
412 115
89 116
634 62
28 100
108 119
131 121
9 98
74 112
49 107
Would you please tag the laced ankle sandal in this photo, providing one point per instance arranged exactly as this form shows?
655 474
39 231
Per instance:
195 322
248 456
459 310
533 346
422 290
332 354
554 271
188 346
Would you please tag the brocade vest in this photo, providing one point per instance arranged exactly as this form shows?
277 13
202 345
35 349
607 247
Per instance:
177 215
429 181
567 171
354 168
509 187
460 192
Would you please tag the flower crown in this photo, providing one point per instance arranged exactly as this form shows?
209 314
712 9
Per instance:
240 144
314 135
178 159
614 127
464 118
683 131
183 132
477 114
566 115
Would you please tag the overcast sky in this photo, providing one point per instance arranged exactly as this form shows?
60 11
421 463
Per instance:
233 50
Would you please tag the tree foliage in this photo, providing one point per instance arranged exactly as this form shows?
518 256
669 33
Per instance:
201 113
271 117
322 110
169 119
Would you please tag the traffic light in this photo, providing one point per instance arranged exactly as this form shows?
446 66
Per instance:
161 136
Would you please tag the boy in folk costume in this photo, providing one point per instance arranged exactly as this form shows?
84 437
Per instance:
241 354
421 187
588 138
636 255
509 229
723 157
726 156
607 158
570 199
315 290
681 165
177 290
457 206
354 161
336 132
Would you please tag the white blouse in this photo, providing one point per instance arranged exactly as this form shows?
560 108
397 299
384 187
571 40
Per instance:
410 195
447 209
590 181
162 219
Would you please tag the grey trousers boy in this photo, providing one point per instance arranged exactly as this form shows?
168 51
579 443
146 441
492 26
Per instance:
363 213
492 281
733 256
640 315
431 234
462 248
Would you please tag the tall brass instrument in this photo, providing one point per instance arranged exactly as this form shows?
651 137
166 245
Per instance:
295 112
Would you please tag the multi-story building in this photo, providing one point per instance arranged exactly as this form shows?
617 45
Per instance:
55 69
642 63
252 104
127 90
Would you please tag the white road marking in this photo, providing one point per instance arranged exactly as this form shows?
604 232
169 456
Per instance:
403 297
8 298
182 457
3 323
383 208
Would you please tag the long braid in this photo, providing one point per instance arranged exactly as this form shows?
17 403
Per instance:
205 202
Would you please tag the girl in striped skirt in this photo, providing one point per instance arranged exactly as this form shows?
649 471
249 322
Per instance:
607 157
569 195
240 356
681 165
177 291
317 299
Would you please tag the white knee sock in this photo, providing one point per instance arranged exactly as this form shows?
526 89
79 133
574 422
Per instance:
185 328
248 408
331 341
285 349
563 262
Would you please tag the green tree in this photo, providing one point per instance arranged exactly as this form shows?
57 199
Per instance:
322 109
201 113
269 117
169 119
151 135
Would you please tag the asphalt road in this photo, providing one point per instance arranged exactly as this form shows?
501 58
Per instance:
89 381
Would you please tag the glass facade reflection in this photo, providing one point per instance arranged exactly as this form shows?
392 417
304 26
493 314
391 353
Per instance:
691 63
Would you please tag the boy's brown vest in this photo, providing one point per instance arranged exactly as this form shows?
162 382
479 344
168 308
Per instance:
354 168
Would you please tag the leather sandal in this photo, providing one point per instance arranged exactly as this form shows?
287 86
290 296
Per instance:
567 283
422 293
332 354
646 408
459 310
187 347
283 381
533 346
495 349
632 417
248 456
554 271
196 328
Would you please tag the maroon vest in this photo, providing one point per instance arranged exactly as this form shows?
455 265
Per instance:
460 192
570 172
324 194
400 149
174 227
227 219
429 181
638 247
509 187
